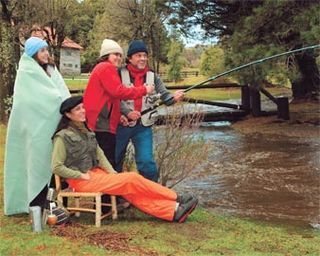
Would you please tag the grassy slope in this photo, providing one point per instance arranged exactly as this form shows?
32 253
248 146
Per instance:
205 94
203 234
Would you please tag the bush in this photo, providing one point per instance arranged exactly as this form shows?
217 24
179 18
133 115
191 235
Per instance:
178 148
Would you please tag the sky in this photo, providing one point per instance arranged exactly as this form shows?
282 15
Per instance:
198 38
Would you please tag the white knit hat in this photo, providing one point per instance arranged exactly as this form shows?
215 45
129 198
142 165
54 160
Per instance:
109 46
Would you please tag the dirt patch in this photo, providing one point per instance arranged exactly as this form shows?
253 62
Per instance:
304 122
113 241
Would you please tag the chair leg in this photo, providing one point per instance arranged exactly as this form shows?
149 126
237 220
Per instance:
114 208
59 198
77 203
98 211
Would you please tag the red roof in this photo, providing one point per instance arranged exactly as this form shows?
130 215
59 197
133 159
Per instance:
68 43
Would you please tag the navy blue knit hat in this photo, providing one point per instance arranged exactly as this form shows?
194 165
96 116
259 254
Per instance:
136 46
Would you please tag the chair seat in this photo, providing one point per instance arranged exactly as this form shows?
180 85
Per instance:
95 205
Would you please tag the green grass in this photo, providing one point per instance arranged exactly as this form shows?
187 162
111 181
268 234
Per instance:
76 84
204 233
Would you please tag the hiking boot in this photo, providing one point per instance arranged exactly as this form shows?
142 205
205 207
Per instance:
122 204
184 210
182 199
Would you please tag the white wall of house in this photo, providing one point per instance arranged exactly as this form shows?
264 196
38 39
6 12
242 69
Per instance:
70 61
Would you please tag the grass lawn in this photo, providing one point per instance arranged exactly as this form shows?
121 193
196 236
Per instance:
80 82
74 84
204 233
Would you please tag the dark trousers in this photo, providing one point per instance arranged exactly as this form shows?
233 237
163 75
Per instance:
107 142
41 198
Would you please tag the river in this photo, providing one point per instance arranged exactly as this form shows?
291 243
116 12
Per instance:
263 177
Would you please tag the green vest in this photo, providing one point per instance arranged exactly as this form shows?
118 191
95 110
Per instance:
81 149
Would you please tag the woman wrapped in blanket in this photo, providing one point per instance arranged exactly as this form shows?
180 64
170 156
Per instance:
78 158
39 90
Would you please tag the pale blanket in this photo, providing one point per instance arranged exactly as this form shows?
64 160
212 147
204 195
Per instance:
33 120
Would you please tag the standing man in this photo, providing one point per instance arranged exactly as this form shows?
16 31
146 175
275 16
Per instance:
138 129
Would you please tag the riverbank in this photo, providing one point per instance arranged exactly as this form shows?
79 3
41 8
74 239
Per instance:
304 122
204 233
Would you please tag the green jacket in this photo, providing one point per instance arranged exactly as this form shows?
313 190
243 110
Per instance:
76 152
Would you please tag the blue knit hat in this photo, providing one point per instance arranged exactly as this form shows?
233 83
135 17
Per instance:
33 45
137 46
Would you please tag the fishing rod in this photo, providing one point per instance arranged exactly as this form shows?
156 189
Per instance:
230 71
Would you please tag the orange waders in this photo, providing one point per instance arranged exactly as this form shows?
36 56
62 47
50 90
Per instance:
146 195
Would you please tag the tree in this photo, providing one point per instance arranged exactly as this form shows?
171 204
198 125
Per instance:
82 29
192 56
10 52
212 61
175 60
54 17
291 28
17 18
178 147
252 30
126 20
177 151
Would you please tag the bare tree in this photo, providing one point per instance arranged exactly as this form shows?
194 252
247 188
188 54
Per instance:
179 150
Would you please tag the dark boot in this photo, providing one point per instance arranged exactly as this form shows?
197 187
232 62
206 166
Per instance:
184 210
182 199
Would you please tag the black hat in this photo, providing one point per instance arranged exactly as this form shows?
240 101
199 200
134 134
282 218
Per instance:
70 103
137 46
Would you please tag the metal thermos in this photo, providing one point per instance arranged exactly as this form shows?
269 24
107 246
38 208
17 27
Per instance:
35 218
50 194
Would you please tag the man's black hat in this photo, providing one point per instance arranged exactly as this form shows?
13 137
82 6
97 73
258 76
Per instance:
70 103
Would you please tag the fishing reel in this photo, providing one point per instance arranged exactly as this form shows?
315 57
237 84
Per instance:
152 99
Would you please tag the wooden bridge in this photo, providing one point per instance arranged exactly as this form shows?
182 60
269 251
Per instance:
250 103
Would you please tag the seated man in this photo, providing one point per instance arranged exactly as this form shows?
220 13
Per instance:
78 158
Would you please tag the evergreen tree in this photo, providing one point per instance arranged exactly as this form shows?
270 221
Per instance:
175 60
212 61
251 30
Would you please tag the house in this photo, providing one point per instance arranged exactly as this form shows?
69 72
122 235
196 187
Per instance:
69 52
70 57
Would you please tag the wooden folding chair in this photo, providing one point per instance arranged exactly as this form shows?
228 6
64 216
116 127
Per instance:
75 206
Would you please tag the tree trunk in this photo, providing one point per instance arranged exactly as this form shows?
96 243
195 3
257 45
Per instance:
56 56
308 85
9 57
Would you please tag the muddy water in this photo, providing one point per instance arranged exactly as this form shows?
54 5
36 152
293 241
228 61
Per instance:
261 177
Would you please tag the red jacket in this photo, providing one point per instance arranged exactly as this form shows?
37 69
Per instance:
102 97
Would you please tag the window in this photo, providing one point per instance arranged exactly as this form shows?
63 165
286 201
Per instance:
68 52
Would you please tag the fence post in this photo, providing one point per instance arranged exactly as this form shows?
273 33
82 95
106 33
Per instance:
255 101
283 108
245 97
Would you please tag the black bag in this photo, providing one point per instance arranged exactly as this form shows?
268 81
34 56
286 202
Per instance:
63 215
54 207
